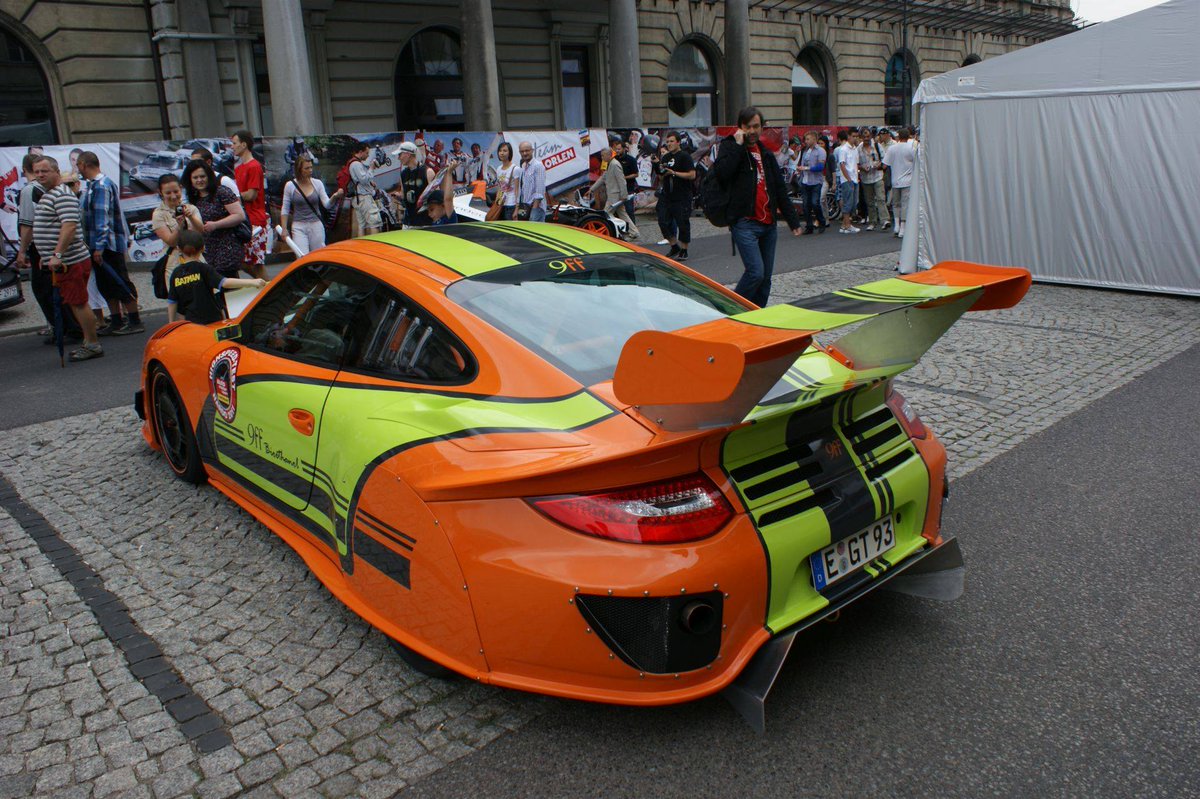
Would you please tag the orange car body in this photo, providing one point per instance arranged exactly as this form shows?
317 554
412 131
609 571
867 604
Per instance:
415 501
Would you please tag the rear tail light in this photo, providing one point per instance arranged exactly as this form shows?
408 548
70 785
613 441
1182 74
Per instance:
905 414
669 512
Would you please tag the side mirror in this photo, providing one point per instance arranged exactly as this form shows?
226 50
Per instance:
229 333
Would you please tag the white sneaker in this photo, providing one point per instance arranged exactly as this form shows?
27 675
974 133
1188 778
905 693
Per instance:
843 230
885 226
664 241
900 232
870 227
853 229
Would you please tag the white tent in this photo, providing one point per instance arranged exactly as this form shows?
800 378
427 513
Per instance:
1078 158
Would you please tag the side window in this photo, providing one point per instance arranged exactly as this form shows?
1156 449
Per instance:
403 341
310 315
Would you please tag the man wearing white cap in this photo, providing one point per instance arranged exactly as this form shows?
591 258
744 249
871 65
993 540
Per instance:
414 177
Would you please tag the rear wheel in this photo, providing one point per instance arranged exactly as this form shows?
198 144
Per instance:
174 429
594 223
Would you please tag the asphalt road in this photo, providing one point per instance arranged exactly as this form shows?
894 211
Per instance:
1067 669
35 389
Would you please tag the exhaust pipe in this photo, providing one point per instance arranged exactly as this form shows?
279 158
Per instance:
698 617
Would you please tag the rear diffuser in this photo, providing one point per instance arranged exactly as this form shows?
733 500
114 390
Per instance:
935 573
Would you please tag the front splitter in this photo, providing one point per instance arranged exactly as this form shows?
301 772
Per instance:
935 573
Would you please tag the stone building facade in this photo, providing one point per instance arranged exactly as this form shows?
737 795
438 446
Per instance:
93 70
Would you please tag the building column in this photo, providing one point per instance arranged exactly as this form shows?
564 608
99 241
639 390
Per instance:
293 105
320 69
481 77
200 70
624 64
737 58
239 19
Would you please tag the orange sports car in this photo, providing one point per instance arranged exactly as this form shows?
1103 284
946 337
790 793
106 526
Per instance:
554 461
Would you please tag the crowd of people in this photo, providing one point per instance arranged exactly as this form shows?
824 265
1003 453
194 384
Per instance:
215 227
73 240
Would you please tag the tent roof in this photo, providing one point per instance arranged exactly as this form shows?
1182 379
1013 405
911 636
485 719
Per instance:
1152 50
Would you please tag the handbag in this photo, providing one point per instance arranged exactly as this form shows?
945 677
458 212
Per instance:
243 232
496 209
158 274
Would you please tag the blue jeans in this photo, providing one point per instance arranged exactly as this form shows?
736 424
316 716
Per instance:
812 205
537 214
756 245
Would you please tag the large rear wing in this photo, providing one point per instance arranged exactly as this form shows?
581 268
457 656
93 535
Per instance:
715 373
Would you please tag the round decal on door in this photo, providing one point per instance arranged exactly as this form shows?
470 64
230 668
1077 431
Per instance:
222 383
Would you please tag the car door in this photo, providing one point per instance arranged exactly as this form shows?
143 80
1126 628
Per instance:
270 386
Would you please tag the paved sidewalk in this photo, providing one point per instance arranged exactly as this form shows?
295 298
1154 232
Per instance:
314 700
27 317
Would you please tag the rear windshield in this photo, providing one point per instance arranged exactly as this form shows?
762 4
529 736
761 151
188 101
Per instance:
577 313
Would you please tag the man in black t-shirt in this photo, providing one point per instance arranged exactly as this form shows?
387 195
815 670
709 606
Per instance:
191 287
676 172
415 175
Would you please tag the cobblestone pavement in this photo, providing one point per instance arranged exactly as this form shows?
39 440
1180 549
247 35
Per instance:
314 700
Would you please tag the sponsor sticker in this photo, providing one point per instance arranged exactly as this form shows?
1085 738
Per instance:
222 382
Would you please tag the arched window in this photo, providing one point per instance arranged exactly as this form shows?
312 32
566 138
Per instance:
25 114
971 59
429 87
810 89
899 82
691 88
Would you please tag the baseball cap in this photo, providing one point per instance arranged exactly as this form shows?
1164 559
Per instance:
434 197
406 147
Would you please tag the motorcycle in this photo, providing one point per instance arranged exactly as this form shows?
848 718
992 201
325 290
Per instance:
381 157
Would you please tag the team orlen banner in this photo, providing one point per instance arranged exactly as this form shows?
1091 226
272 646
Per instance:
12 180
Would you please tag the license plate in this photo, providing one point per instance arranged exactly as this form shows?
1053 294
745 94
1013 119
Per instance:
847 556
9 292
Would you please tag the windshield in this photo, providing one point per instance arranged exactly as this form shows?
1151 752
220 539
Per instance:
578 313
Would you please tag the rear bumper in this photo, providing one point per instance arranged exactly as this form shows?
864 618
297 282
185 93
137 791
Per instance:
934 573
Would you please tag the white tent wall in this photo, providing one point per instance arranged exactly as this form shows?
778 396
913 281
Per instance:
1085 182
1095 189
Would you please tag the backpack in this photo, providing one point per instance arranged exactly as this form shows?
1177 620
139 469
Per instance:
714 198
343 176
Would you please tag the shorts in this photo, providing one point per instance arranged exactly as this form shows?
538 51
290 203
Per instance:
256 249
73 284
367 213
848 197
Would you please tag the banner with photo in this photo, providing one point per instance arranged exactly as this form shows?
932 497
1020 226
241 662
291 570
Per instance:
12 180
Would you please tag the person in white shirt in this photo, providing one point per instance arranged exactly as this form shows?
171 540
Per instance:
899 161
847 166
304 199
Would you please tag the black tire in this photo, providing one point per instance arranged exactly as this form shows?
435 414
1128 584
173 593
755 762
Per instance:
832 207
421 663
173 429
